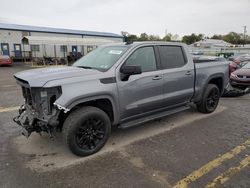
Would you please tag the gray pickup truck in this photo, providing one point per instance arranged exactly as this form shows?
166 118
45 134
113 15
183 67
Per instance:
117 85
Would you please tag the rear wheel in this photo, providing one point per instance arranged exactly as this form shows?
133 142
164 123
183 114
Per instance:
210 99
86 130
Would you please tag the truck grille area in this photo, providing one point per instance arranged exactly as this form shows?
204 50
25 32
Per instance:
27 95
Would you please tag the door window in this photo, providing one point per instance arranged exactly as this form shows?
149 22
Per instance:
17 50
144 57
171 57
5 49
17 47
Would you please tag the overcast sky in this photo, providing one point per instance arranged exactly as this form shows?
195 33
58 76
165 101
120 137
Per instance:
134 16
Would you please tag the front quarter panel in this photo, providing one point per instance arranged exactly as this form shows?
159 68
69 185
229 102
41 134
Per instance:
80 92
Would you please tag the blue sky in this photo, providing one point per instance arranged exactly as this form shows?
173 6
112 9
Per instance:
134 16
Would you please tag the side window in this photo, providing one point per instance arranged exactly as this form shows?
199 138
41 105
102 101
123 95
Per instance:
171 57
145 57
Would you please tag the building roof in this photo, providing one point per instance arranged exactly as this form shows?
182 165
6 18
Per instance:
56 30
65 40
211 42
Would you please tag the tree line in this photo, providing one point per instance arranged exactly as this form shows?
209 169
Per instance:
232 37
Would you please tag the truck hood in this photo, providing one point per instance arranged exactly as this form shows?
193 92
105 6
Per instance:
39 77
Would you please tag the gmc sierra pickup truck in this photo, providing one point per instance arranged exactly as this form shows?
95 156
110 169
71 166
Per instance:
117 85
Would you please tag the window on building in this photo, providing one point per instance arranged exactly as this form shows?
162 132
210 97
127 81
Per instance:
63 48
143 57
89 48
35 48
171 57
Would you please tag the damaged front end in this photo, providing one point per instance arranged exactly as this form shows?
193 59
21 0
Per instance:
39 113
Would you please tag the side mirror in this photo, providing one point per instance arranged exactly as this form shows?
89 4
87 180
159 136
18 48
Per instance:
128 70
131 69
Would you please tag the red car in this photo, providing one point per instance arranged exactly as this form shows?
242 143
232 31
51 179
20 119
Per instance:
5 60
239 62
241 77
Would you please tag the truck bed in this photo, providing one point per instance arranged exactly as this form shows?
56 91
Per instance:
207 70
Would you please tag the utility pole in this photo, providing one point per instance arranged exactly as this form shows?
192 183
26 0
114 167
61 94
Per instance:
166 32
244 35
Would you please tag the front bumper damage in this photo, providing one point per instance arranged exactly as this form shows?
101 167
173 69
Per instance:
30 122
25 120
231 91
39 113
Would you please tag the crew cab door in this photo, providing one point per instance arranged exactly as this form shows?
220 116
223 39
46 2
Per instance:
178 75
141 93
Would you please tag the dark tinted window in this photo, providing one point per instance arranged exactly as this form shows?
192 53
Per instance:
171 57
144 57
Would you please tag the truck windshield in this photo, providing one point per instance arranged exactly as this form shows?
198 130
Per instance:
101 58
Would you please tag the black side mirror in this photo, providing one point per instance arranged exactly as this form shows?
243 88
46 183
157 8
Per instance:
128 70
131 69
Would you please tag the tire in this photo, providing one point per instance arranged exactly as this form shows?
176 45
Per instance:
210 99
86 130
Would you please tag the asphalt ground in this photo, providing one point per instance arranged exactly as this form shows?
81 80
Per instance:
188 149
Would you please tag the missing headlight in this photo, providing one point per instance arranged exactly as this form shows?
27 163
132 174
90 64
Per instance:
48 97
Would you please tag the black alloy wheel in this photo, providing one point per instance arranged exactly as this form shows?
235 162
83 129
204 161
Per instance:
90 133
213 99
210 99
86 130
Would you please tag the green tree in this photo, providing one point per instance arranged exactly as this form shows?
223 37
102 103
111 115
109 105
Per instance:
233 38
190 39
167 37
143 37
129 37
220 37
154 38
132 38
175 37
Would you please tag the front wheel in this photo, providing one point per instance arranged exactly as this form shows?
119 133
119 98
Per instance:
210 99
86 130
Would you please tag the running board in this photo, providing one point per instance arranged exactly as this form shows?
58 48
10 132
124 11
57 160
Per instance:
152 117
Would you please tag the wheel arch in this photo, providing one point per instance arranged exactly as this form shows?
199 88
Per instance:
103 102
217 79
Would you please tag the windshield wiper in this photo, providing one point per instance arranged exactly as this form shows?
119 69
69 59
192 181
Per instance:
85 67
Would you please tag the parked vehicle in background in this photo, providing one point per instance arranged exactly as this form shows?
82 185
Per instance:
198 52
227 55
233 90
117 85
241 77
5 60
239 62
242 58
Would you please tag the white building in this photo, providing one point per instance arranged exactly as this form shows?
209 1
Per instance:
18 41
211 43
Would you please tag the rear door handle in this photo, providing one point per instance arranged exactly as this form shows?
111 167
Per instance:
157 78
188 73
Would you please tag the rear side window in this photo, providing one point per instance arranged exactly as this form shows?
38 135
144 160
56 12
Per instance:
171 57
143 57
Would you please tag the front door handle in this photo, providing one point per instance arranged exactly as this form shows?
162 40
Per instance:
188 73
157 78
